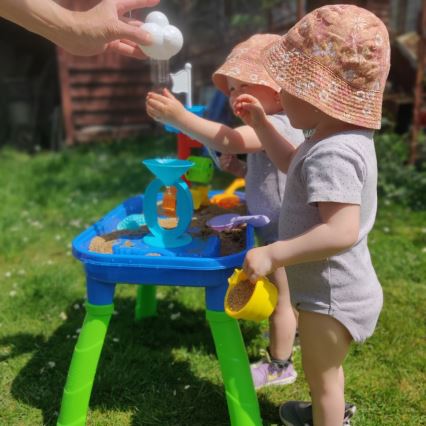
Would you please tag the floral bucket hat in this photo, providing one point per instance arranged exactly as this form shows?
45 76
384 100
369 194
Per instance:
244 63
336 58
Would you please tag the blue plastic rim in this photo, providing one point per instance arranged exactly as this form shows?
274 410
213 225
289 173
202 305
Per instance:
168 170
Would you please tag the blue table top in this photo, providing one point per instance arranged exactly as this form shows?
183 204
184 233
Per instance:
129 250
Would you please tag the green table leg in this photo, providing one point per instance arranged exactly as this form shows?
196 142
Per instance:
81 374
240 394
146 302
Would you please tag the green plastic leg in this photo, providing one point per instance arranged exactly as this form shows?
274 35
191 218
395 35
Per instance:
240 394
146 302
81 374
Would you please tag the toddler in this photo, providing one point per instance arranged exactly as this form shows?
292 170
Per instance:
243 73
332 68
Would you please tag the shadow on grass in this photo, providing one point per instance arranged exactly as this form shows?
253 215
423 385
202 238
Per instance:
144 368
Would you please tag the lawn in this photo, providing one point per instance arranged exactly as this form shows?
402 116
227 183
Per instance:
163 371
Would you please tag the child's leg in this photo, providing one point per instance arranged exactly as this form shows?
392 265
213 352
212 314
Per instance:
277 368
282 324
325 343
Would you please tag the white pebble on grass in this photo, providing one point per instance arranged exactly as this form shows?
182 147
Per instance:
76 306
187 387
175 316
115 339
63 316
12 293
386 229
58 237
51 364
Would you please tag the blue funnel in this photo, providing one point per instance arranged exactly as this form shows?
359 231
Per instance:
168 170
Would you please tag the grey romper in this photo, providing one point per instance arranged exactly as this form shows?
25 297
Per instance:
341 168
265 183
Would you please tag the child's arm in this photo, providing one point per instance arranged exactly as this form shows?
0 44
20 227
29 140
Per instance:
279 150
167 109
338 231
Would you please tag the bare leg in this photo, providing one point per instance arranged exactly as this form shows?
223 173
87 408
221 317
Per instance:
282 324
325 343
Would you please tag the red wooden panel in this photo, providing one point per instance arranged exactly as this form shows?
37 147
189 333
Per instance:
118 105
100 78
109 118
108 91
108 132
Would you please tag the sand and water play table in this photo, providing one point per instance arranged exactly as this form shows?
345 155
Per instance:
198 264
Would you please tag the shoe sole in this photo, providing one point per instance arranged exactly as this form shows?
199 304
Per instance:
349 413
288 381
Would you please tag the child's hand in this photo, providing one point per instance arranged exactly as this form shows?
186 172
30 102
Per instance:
232 164
258 263
164 108
250 110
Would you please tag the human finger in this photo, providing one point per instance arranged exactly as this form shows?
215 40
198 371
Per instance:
133 33
131 21
157 106
168 94
126 49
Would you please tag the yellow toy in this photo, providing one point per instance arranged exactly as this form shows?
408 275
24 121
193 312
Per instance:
244 300
200 196
228 199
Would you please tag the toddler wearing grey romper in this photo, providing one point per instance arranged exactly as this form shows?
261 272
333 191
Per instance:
342 169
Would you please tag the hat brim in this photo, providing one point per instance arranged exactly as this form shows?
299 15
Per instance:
304 77
247 72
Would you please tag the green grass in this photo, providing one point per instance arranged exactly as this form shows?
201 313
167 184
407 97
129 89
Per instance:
164 371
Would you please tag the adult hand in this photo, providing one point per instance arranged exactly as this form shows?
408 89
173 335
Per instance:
105 28
165 108
250 110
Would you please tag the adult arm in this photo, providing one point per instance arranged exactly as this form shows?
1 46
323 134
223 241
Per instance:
87 33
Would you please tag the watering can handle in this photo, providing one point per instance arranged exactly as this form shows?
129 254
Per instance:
236 277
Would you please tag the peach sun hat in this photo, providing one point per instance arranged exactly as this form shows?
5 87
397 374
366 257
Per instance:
337 58
244 63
